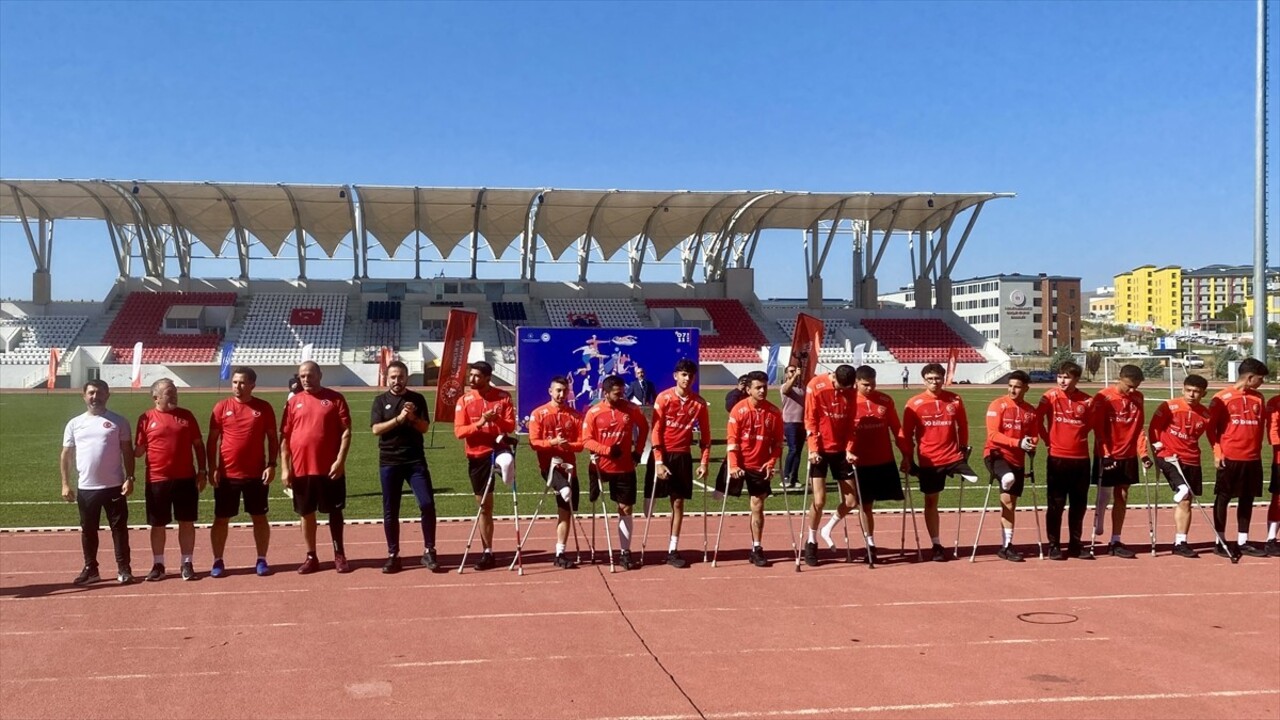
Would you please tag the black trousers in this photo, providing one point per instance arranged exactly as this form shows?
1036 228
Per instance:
1067 484
91 504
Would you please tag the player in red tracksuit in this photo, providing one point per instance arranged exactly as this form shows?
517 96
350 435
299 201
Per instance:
609 430
485 421
1066 418
554 434
1238 414
828 419
1273 510
676 413
1012 429
753 438
934 423
1174 435
1119 444
168 436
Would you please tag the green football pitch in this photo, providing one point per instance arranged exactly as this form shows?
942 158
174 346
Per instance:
31 433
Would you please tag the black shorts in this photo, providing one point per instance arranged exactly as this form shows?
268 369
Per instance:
879 482
168 500
1274 487
1239 479
622 486
318 492
933 479
480 470
757 484
226 497
1067 475
998 466
1122 473
835 462
1174 475
679 484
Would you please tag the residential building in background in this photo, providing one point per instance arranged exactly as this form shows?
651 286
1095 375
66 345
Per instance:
1102 304
1211 289
1149 296
1020 313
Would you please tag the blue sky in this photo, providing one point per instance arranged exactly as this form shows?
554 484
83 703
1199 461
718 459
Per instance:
1125 128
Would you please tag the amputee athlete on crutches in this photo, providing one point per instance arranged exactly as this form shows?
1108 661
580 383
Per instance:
554 434
828 420
753 438
1012 430
484 419
676 412
609 430
1174 434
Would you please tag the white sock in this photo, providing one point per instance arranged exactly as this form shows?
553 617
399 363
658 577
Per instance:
871 541
262 558
1115 539
673 543
1008 536
1179 538
1242 538
1273 529
157 559
755 544
559 548
186 559
812 536
624 533
828 527
935 539
1100 509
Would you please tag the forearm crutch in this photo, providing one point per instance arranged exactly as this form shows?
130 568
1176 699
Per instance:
475 523
724 503
862 527
648 514
981 518
515 510
1151 511
959 516
911 507
537 511
791 525
1195 500
1035 502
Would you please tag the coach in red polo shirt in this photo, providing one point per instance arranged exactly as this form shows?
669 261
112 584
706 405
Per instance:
316 438
242 451
167 436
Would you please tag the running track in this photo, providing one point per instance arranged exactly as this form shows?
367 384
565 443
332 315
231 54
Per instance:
1147 638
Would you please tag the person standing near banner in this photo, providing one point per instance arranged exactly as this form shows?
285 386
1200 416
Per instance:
313 459
399 418
935 424
1067 416
793 399
484 421
609 430
676 413
753 438
1238 414
828 418
554 432
243 449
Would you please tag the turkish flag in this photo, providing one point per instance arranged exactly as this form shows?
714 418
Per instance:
953 357
453 362
53 368
805 343
306 316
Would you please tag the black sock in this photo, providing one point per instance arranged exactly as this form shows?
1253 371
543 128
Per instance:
1221 503
335 531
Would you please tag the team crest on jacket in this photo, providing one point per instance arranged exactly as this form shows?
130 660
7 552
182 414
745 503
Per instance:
326 403
257 413
951 408
1080 409
107 424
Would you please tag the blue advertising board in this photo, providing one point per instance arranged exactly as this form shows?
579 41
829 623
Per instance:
588 355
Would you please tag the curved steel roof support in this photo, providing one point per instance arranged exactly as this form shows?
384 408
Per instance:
689 258
584 257
242 236
635 256
939 246
361 238
141 231
357 229
530 241
713 250
820 260
299 238
417 233
177 233
475 234
38 251
122 261
973 218
584 249
752 245
724 243
884 239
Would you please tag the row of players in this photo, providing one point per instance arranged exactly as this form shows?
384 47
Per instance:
851 430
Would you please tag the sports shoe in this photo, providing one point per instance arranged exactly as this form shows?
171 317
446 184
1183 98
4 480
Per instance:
757 557
218 569
1085 553
157 573
262 568
429 560
1008 553
1273 548
310 565
562 561
391 566
1117 549
1055 553
939 554
627 562
486 561
811 554
87 576
1079 550
125 575
342 566
1185 550
1250 550
188 572
675 561
1221 550
872 558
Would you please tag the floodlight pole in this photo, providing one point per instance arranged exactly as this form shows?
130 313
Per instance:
1260 305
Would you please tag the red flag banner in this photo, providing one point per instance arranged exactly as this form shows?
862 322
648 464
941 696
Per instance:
306 316
953 357
453 362
805 343
53 368
384 358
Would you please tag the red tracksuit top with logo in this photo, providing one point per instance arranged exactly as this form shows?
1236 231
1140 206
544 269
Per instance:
828 416
936 425
480 441
244 428
876 429
313 426
1066 417
674 419
605 426
1239 417
1178 425
549 422
753 436
1118 427
168 440
1008 422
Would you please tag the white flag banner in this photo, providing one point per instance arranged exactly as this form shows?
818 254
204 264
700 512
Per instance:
306 352
859 351
136 377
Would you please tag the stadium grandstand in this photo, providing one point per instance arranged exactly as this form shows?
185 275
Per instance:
165 237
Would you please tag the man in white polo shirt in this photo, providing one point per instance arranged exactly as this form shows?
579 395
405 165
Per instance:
99 447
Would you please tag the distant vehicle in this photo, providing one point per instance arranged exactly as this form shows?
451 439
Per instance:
1042 376
1189 361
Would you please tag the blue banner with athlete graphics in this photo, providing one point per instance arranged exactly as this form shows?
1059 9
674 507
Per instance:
228 349
587 355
